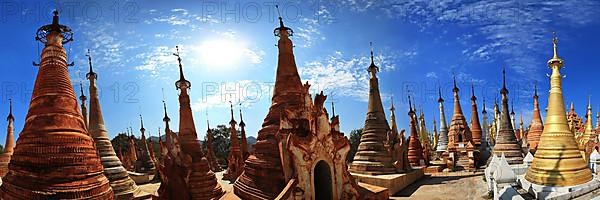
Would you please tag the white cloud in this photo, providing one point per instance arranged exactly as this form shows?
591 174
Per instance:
338 74
431 75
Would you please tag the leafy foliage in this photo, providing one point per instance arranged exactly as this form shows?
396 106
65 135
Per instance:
354 141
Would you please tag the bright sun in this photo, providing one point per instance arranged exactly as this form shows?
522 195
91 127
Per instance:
220 53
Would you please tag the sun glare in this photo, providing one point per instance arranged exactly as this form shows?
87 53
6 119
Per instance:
220 53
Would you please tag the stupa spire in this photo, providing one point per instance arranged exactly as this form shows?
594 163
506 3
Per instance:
235 159
244 143
443 138
588 132
10 143
506 140
83 98
537 126
166 118
557 161
372 157
75 168
123 186
476 130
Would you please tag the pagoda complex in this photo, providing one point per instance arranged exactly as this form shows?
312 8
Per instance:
372 157
506 140
557 161
10 143
144 163
297 146
442 144
537 127
235 160
461 152
185 171
210 151
123 186
54 157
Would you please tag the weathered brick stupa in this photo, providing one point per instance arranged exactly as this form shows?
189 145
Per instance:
144 163
123 186
210 151
235 160
415 150
442 144
557 161
9 145
485 149
506 140
131 154
372 157
475 125
537 126
461 152
263 176
54 157
185 171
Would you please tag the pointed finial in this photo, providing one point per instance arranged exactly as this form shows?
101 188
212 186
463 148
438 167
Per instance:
410 109
512 108
82 97
142 129
232 120
503 90
332 109
473 98
181 82
241 117
589 102
484 111
91 74
10 115
555 44
455 89
440 99
372 54
392 108
166 118
535 91
207 121
572 107
281 29
555 60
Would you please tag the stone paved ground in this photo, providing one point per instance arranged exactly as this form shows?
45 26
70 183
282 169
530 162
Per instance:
442 186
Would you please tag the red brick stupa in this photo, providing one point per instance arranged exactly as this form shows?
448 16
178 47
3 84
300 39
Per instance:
9 145
54 157
415 150
235 160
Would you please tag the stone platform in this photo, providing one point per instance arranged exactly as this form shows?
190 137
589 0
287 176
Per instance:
140 178
560 193
393 182
373 192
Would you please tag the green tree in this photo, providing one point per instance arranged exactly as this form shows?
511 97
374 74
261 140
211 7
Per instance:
354 141
120 142
221 143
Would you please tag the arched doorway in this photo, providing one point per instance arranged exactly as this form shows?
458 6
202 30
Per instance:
322 181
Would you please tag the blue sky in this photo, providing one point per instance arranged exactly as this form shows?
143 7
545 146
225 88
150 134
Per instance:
229 53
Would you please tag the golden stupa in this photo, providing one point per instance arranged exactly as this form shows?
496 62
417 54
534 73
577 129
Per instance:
557 161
